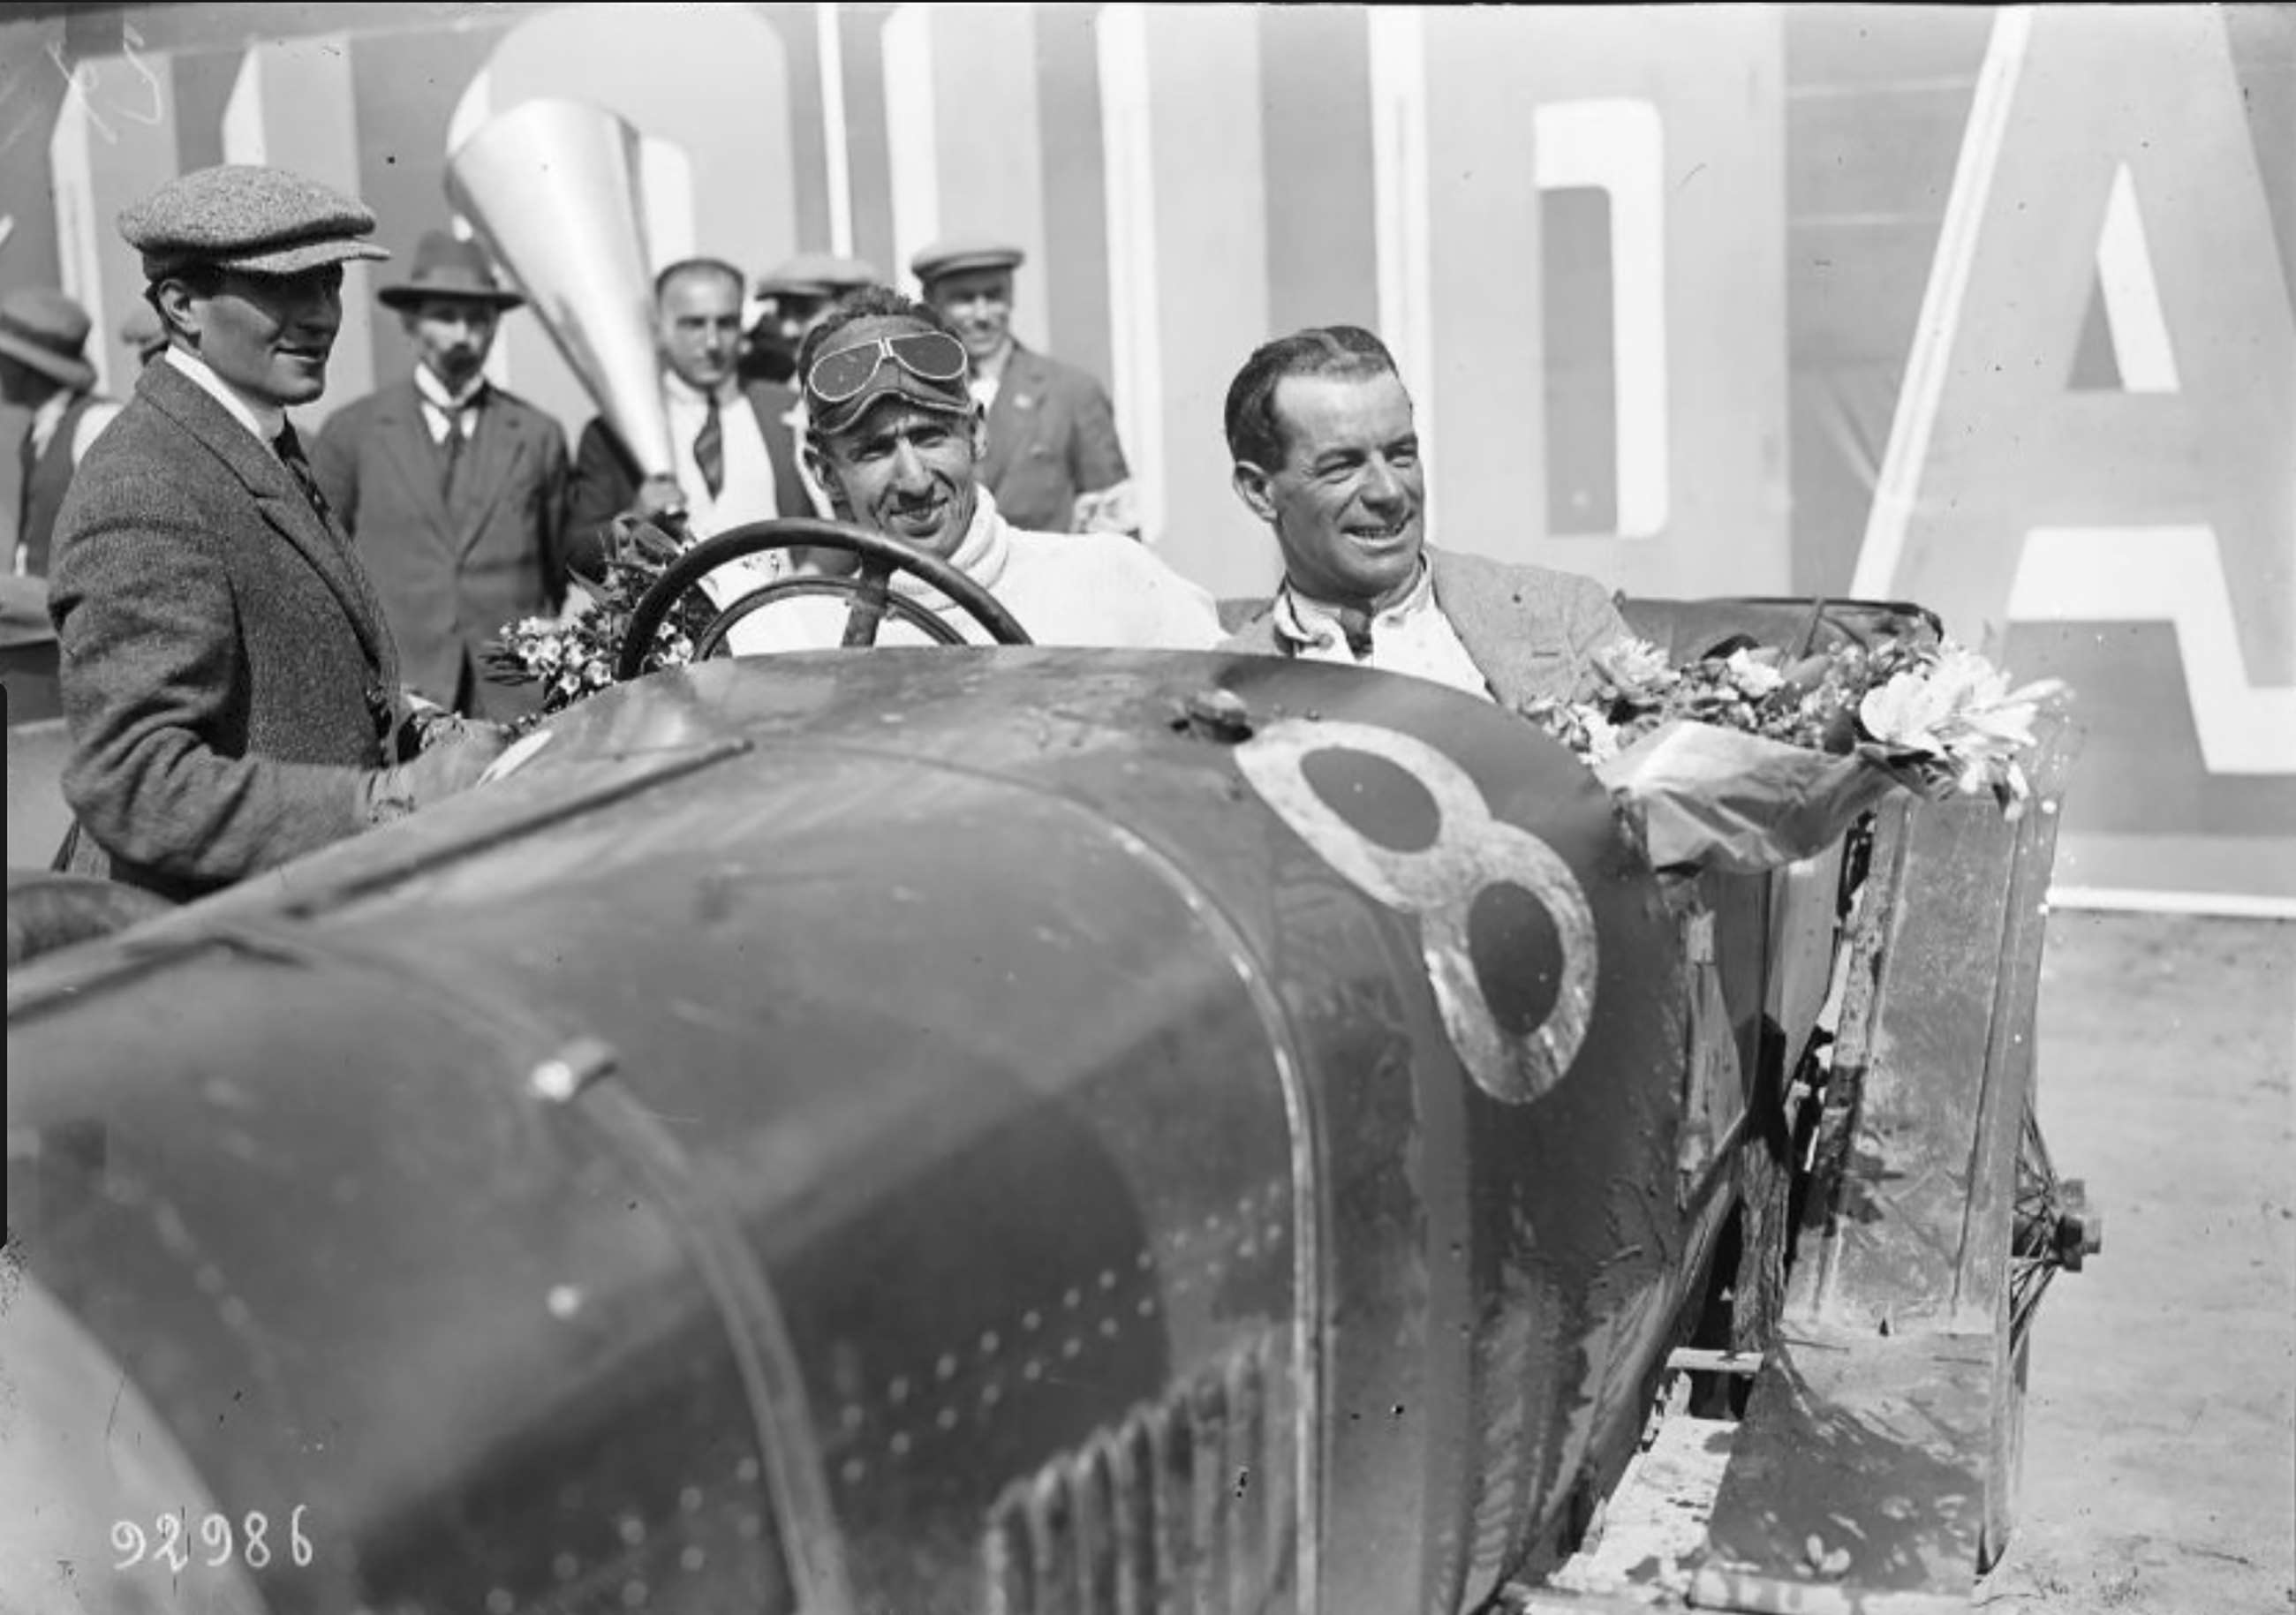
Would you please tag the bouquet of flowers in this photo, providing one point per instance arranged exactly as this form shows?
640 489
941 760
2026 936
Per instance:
1753 760
572 655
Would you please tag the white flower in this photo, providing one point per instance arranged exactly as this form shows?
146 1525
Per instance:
1634 667
1602 737
1754 679
1905 713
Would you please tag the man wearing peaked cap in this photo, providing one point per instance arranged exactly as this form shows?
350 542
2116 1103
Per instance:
1053 462
44 368
229 684
453 490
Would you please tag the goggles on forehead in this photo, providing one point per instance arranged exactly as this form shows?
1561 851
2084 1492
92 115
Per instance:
842 375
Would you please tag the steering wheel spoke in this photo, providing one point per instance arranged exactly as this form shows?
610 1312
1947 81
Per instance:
870 598
873 597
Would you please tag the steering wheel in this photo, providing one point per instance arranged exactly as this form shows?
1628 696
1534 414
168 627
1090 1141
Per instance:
881 557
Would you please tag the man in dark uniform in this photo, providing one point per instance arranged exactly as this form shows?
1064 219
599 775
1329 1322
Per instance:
230 686
453 490
44 368
1054 463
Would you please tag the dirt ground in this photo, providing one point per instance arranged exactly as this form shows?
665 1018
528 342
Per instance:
2160 1472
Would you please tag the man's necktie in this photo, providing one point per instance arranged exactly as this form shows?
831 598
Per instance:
290 449
455 443
710 450
1355 622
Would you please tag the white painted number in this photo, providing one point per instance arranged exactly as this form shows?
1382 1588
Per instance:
170 1551
1470 853
214 1530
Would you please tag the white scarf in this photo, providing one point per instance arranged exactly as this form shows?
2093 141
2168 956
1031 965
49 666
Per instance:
981 556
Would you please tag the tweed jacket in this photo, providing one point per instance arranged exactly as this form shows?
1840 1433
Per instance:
606 477
227 677
1529 630
450 576
1052 436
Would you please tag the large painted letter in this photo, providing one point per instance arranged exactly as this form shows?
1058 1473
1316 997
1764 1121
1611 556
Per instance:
2141 542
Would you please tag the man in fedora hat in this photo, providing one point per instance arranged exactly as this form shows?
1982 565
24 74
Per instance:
453 490
44 368
230 686
1053 461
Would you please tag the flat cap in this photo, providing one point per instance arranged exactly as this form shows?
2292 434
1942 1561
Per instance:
957 255
238 216
818 275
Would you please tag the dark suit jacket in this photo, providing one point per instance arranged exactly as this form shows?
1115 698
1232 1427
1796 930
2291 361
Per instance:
451 576
227 677
1052 436
1529 630
606 478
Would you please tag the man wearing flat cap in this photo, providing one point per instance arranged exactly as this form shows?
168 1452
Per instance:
1054 460
793 296
453 490
230 686
896 436
44 368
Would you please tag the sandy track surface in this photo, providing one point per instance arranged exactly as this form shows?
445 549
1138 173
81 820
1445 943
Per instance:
2161 1429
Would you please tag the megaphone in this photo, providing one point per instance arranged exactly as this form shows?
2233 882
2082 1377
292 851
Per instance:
553 189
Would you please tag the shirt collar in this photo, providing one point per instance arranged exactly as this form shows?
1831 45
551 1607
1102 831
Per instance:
51 410
265 422
434 391
1314 624
677 389
992 368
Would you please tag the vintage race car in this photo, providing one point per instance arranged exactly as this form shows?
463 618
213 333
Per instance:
1012 1130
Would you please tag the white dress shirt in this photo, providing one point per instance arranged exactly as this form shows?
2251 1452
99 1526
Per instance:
988 375
440 406
99 414
264 421
1411 637
749 493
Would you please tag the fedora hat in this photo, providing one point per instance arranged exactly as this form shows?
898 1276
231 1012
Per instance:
43 329
445 266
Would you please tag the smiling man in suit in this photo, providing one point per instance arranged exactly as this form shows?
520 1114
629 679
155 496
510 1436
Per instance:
453 490
1053 462
230 686
1326 453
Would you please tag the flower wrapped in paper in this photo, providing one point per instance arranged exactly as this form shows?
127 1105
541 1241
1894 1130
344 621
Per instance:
1753 759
